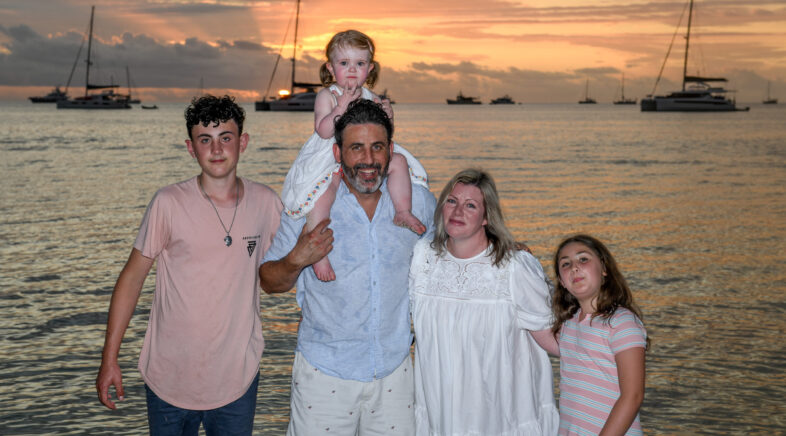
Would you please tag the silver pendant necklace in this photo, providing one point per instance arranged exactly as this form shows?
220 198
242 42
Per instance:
227 238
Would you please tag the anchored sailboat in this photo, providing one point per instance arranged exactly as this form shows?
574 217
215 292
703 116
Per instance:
769 100
300 101
622 99
106 99
587 99
696 95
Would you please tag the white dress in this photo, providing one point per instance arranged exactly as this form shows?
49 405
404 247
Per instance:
477 370
315 164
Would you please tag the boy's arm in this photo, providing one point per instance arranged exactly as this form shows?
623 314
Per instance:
277 276
124 300
630 371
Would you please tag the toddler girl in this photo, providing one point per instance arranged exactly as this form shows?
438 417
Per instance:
601 342
310 186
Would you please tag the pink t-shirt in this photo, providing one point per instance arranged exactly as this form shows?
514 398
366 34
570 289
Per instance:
589 384
204 337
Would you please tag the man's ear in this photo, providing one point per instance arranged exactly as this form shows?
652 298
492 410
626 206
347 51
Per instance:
337 153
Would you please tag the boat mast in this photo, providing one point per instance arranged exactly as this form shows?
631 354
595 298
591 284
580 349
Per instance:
89 45
687 44
623 86
294 50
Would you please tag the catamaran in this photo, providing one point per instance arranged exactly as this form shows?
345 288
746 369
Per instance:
697 93
106 99
292 101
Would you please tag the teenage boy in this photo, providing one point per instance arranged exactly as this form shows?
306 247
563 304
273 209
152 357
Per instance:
200 356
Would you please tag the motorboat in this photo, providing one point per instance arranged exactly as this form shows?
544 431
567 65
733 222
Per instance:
462 99
505 99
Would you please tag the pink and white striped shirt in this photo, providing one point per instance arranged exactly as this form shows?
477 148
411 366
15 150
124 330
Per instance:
589 385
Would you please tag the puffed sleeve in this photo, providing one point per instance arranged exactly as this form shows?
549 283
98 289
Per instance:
418 266
531 292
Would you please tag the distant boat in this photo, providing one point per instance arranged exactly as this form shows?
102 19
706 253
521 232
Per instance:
301 101
131 100
53 97
385 95
149 107
106 99
699 96
506 99
56 94
462 99
769 100
622 99
587 99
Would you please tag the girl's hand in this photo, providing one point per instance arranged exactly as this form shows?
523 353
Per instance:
351 93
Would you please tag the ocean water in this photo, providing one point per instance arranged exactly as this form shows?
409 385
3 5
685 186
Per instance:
693 207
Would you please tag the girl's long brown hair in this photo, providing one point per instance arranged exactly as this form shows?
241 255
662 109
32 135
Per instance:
614 291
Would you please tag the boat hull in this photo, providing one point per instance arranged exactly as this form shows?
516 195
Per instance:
700 104
93 103
299 102
462 102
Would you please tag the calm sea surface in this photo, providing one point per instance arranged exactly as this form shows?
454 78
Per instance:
692 205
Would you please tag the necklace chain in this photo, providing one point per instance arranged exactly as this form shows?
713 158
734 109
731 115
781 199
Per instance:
227 238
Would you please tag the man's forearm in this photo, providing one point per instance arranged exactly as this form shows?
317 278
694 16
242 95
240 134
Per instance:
278 276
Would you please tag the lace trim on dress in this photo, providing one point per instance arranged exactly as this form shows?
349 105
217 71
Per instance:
449 277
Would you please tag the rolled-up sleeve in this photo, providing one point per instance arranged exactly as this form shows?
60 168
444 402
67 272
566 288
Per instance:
285 239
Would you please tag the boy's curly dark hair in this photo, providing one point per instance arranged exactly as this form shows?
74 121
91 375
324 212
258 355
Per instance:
211 109
362 111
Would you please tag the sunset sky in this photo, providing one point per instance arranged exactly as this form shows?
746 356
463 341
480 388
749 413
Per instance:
535 50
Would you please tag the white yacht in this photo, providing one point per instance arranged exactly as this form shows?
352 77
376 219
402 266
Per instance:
697 93
106 99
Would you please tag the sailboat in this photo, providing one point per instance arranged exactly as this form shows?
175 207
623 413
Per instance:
131 100
106 99
697 93
587 99
294 101
769 100
622 99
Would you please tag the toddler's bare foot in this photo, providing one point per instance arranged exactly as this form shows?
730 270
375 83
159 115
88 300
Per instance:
404 218
324 270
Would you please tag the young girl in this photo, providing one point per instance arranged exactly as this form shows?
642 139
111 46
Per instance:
601 342
311 184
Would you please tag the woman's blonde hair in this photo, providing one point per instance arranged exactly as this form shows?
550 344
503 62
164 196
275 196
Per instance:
500 238
355 39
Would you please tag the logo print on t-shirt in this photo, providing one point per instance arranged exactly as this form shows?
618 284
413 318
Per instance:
251 246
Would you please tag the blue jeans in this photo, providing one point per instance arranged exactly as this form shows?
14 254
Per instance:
233 419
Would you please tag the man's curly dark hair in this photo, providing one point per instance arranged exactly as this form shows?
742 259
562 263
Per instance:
362 111
211 109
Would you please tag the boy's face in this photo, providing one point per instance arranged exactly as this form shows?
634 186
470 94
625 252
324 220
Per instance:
217 148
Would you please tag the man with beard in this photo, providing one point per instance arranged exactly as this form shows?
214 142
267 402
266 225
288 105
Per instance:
352 372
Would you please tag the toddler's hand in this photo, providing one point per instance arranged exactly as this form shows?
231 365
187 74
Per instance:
350 94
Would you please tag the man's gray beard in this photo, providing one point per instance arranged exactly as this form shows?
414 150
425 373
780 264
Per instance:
352 177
